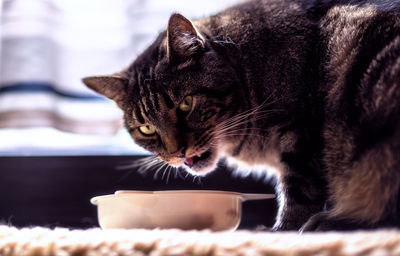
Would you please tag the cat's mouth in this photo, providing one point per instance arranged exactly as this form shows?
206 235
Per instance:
191 161
202 163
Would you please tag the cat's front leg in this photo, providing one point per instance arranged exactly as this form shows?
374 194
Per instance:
301 194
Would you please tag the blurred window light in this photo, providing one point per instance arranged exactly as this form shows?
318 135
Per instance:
47 46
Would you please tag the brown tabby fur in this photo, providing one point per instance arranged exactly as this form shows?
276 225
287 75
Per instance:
309 88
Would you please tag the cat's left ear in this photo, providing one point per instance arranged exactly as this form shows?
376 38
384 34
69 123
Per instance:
183 38
113 87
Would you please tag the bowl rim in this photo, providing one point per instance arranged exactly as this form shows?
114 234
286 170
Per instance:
185 191
242 196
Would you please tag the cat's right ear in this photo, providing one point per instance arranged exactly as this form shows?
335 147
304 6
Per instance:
112 87
183 39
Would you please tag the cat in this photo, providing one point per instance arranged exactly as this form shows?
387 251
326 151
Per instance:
307 88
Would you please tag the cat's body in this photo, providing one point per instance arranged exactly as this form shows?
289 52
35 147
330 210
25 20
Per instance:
309 88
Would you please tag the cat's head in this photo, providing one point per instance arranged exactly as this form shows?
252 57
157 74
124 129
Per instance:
176 97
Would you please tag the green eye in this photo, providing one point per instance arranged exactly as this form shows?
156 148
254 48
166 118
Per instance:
147 130
186 104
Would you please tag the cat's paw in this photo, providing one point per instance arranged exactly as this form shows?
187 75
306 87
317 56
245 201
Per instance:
323 221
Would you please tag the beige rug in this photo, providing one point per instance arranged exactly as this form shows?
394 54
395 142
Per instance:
64 242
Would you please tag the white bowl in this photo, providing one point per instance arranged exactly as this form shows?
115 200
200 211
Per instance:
183 209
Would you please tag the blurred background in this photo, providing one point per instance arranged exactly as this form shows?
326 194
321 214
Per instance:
60 143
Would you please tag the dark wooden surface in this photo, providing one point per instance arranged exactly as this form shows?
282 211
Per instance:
55 190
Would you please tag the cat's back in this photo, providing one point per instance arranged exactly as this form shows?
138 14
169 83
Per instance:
248 20
355 34
361 69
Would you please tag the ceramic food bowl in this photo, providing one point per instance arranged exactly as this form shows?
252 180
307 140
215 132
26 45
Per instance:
183 209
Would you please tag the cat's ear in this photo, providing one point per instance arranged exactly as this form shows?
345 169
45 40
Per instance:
183 38
113 87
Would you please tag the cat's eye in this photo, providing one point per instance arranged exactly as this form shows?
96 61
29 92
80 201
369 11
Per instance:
147 130
186 104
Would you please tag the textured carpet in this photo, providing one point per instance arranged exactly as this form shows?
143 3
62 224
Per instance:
64 242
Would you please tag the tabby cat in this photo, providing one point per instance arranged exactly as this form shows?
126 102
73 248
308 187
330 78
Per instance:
310 89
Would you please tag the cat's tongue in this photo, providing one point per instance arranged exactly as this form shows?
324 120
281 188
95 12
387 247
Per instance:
189 161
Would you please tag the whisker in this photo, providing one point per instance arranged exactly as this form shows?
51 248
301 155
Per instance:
149 166
239 134
141 165
235 127
198 179
164 171
179 172
138 162
169 173
155 176
252 111
246 129
257 116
